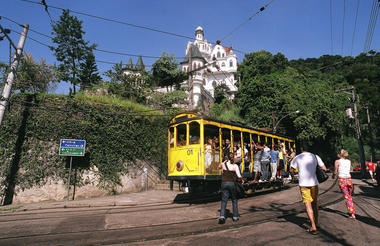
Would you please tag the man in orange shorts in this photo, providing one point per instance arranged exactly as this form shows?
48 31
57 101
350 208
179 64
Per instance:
306 163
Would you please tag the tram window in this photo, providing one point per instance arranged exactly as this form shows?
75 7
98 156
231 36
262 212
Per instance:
171 136
247 146
237 138
210 132
194 133
275 141
269 142
255 138
226 141
181 135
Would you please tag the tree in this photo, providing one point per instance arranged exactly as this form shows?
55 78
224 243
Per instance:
89 75
71 49
35 77
128 86
269 84
221 93
165 72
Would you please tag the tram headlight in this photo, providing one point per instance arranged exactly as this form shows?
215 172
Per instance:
179 166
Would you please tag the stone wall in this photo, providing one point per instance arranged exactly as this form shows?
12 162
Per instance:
139 177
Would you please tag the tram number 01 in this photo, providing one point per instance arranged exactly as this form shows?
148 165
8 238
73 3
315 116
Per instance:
189 152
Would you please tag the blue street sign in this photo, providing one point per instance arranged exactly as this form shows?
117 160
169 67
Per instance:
72 147
72 143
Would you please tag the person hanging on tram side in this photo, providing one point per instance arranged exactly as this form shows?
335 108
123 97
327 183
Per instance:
208 152
226 148
258 150
265 159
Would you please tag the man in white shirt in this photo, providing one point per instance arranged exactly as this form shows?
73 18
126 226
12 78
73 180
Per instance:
306 163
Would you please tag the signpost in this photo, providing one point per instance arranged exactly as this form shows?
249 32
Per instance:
71 147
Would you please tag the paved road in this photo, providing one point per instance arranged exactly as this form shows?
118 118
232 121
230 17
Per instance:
270 218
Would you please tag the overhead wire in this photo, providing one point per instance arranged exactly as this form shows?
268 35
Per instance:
249 19
124 23
331 28
374 24
51 47
356 19
114 21
97 49
371 25
344 16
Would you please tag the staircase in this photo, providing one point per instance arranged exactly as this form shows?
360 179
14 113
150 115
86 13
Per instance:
162 185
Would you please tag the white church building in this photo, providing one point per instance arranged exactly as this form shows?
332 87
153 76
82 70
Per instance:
213 64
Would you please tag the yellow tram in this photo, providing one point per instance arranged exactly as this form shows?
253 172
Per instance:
193 163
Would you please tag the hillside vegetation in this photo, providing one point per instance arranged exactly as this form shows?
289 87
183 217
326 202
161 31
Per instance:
117 132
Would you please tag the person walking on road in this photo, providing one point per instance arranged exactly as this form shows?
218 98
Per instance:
342 168
230 173
306 163
371 169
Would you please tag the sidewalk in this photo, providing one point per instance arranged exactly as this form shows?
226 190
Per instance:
127 199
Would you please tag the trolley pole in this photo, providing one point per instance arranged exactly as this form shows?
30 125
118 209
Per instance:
11 76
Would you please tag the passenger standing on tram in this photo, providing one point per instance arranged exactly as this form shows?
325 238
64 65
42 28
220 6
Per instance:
208 152
281 161
231 172
289 159
258 150
274 154
265 163
226 148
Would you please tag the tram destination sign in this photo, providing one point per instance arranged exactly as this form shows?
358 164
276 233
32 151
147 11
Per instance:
72 147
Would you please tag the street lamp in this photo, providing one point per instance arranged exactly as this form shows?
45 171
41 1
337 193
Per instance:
275 127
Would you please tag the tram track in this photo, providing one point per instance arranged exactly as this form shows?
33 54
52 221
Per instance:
183 203
205 225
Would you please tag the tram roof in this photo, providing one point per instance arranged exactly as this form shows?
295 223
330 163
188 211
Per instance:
196 116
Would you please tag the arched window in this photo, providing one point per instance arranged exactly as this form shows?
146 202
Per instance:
231 63
218 54
213 83
222 54
223 64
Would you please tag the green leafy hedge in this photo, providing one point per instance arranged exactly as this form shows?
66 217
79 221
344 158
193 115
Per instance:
115 134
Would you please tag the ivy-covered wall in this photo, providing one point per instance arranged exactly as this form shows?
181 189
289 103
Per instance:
115 135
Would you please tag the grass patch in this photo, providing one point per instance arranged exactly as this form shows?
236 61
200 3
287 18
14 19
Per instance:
115 101
11 208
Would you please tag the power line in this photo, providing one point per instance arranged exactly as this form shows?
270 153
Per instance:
356 19
97 49
250 18
344 15
331 27
114 21
371 25
51 47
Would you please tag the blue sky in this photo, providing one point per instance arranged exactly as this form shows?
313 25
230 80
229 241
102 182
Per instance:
296 28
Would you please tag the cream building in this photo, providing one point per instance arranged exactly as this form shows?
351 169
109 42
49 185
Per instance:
214 65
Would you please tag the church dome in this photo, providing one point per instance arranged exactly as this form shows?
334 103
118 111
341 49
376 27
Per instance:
199 28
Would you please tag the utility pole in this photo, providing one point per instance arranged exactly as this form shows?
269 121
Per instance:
358 134
357 128
373 157
11 76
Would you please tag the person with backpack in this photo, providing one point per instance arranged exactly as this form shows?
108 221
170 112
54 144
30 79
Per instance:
231 172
